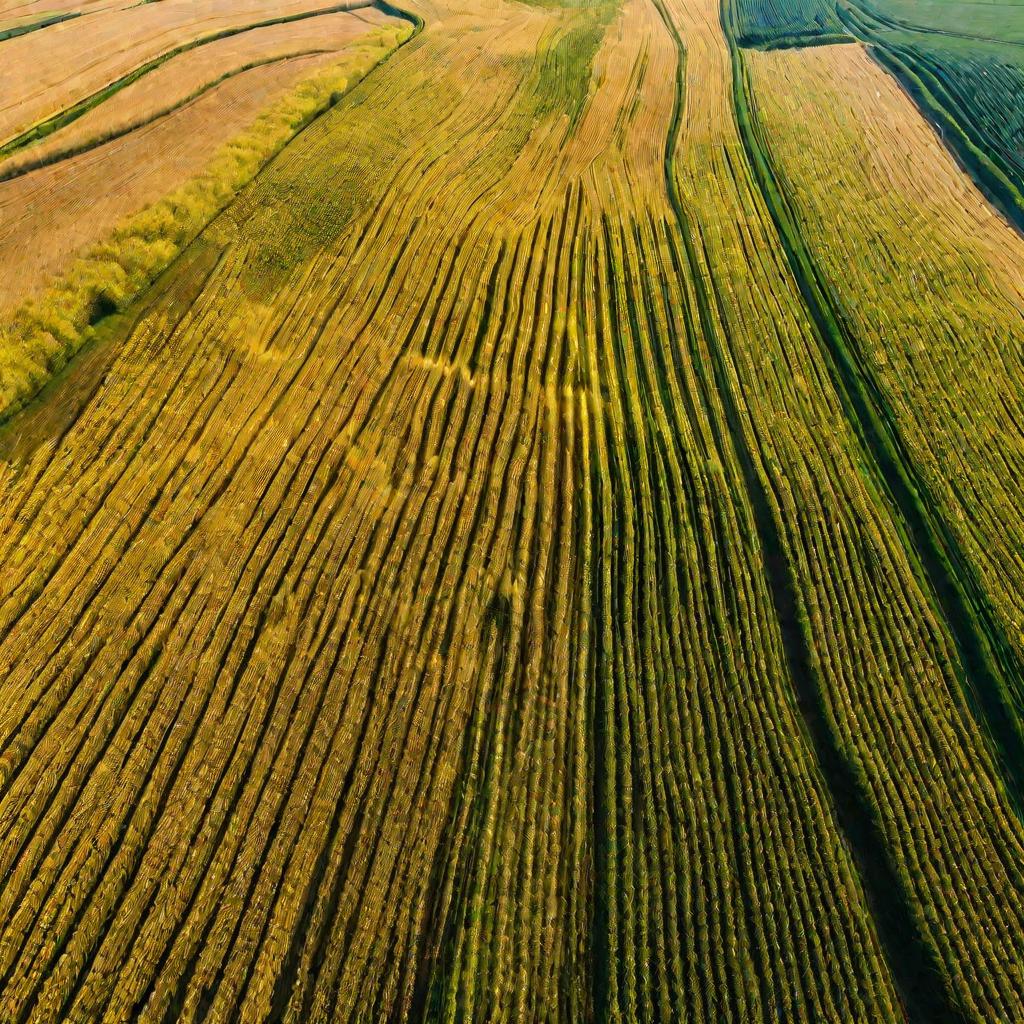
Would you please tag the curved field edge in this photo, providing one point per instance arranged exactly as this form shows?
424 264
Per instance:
20 169
991 676
919 75
39 337
62 118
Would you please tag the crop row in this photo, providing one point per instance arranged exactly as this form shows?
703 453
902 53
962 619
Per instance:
464 594
881 662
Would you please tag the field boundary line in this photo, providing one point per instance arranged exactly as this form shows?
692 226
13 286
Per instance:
69 115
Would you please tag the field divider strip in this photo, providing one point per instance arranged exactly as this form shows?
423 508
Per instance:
35 26
794 41
62 118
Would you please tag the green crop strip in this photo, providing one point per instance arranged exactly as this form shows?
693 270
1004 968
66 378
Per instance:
784 23
798 40
35 26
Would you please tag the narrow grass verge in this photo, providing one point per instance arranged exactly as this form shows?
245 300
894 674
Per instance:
35 26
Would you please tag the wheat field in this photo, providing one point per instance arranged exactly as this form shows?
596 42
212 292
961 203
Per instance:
518 523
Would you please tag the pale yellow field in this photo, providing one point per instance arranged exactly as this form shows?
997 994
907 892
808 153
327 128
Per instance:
183 76
27 12
50 215
44 72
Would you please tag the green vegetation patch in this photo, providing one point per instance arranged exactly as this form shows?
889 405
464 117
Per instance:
563 83
561 78
778 23
996 20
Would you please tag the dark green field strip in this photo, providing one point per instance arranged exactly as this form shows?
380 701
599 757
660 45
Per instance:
88 145
994 681
72 113
775 41
781 23
35 26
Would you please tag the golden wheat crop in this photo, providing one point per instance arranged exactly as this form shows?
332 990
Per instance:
460 589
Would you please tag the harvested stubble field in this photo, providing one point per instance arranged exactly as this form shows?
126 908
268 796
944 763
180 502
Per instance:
190 74
73 62
537 541
78 186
